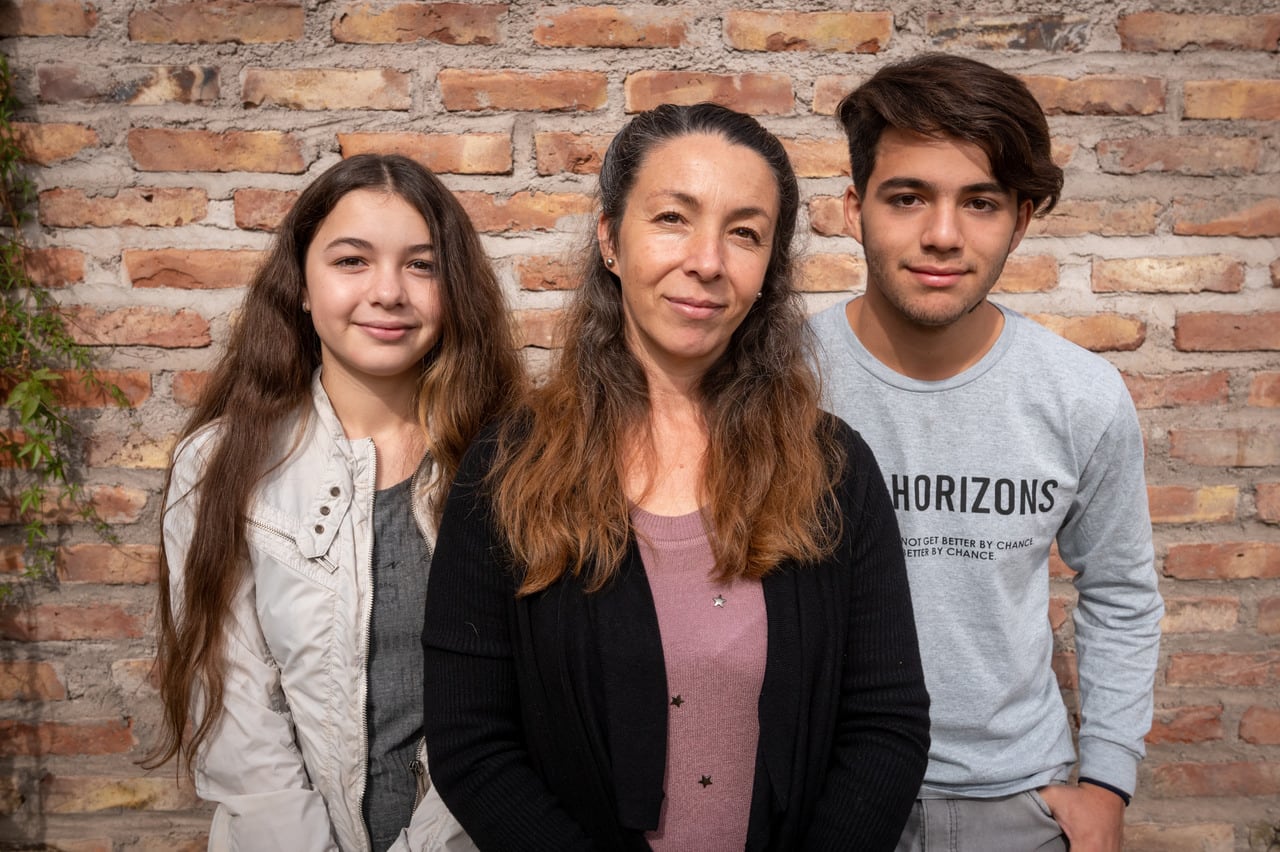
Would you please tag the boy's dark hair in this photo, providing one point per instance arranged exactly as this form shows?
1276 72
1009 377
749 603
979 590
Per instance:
940 95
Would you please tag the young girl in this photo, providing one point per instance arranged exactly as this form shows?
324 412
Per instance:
301 509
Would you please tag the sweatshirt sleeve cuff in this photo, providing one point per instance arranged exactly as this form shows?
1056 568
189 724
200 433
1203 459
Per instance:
1096 783
1109 765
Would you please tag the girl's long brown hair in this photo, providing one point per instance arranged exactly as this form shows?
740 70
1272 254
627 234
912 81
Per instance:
771 459
471 375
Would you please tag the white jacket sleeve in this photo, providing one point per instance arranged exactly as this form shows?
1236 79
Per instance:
250 764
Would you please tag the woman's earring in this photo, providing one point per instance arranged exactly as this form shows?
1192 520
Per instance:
306 309
609 262
759 293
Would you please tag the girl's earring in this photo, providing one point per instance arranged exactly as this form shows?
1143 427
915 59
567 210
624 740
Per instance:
306 309
609 262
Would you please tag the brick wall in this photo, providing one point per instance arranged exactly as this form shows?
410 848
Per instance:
167 138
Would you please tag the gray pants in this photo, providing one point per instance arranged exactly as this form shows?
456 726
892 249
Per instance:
1017 823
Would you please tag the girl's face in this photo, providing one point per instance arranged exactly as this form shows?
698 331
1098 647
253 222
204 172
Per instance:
372 289
693 245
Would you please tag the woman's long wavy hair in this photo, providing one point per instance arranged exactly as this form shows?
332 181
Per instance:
771 458
471 375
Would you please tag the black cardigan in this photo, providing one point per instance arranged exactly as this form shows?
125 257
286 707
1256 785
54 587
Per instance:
546 715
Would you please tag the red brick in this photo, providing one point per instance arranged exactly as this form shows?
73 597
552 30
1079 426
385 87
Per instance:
1266 497
1241 447
1032 274
756 94
73 794
74 392
52 268
1202 780
138 326
1216 273
1064 667
1098 94
327 88
1186 725
523 211
1105 217
1261 726
136 677
576 153
59 622
191 269
30 680
406 23
1229 216
1269 616
826 215
1098 332
451 153
813 158
546 91
953 30
46 144
1178 390
1181 504
113 504
1234 669
1219 332
1194 837
218 22
539 329
1155 31
143 207
163 150
19 738
1234 99
188 385
262 209
1059 611
829 90
108 564
11 556
1274 269
611 26
1264 390
1184 155
1232 560
541 272
136 85
831 273
845 32
1200 615
48 18
132 450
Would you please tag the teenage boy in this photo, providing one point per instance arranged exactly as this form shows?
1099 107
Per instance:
996 438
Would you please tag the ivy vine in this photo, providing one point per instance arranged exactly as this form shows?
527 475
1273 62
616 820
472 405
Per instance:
37 355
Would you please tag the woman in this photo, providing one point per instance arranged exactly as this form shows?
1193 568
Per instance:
668 608
301 505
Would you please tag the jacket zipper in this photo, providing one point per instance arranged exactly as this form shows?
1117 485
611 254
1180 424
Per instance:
292 539
364 642
419 764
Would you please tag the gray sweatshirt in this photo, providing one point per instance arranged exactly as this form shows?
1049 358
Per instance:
1037 441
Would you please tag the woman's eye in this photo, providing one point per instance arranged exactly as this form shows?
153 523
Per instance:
669 217
748 234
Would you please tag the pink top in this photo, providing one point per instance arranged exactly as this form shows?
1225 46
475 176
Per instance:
714 638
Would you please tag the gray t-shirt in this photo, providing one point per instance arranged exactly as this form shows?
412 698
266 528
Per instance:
401 561
1039 441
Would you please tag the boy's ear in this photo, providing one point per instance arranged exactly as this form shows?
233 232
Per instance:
853 213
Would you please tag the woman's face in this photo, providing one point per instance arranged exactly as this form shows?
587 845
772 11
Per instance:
692 248
372 289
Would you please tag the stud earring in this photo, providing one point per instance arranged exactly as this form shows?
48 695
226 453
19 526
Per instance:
759 293
306 309
609 262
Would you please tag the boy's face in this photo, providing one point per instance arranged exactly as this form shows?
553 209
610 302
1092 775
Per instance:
936 226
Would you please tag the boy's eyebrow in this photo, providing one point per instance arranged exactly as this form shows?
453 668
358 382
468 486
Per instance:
897 183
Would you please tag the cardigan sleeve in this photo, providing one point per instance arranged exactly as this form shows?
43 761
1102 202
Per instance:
881 740
476 746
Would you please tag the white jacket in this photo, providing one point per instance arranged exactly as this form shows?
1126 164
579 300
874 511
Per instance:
288 760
